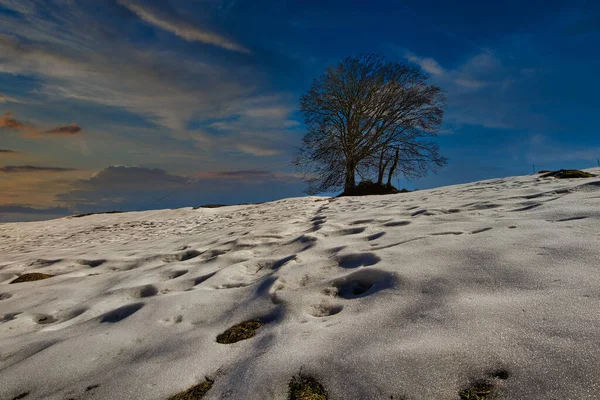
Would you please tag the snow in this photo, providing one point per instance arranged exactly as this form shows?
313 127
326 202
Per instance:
410 295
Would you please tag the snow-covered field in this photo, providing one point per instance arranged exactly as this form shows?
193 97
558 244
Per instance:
408 296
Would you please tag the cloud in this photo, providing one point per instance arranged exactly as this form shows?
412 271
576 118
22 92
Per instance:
256 151
180 27
8 169
72 129
135 188
262 126
7 99
98 66
428 64
21 212
7 151
485 90
8 122
470 83
24 209
176 93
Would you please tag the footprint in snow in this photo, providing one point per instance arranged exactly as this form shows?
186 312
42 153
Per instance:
357 260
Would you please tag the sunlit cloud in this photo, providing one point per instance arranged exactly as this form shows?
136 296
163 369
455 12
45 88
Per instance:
181 27
7 121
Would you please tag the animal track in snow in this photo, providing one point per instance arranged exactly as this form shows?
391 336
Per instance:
363 283
396 223
306 241
10 316
280 263
317 222
146 291
185 256
349 231
44 319
375 236
119 314
92 263
325 309
203 278
5 296
362 221
420 212
174 274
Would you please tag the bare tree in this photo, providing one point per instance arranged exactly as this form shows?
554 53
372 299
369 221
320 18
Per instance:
367 109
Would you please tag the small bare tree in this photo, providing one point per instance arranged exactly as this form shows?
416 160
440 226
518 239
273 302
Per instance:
367 109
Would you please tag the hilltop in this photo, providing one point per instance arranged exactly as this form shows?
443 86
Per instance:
490 287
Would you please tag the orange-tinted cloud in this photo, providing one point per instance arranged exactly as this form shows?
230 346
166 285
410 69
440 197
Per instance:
72 129
8 122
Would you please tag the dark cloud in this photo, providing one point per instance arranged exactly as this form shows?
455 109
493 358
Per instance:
6 151
72 129
8 122
244 174
24 209
30 168
137 188
23 212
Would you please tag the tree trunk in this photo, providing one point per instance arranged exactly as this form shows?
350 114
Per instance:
393 168
350 183
381 169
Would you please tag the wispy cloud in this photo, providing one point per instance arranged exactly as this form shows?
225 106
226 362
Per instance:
261 126
486 91
9 152
428 64
95 66
7 99
101 66
180 27
8 169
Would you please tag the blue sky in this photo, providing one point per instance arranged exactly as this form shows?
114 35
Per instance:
111 104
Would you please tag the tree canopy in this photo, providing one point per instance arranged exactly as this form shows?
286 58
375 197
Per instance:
371 117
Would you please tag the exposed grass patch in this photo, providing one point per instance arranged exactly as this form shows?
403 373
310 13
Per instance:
568 174
479 390
238 332
36 276
304 387
195 392
483 389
